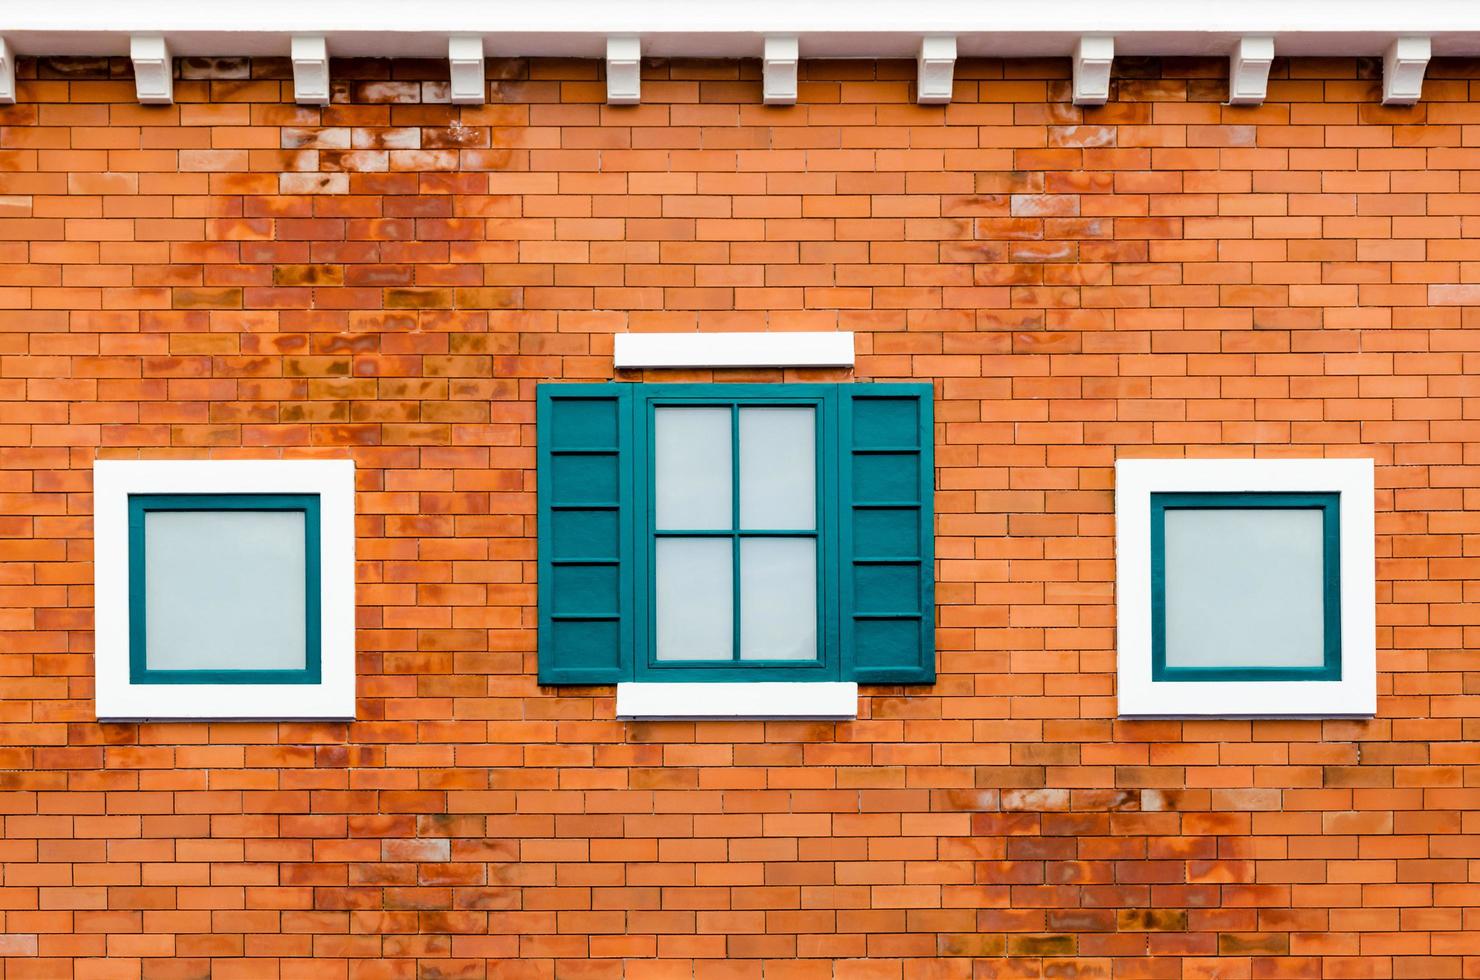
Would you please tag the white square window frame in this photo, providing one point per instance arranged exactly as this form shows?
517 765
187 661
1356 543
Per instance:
118 698
1139 696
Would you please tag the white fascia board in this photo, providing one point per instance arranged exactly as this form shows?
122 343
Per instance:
815 700
623 70
1093 56
779 69
310 56
1248 70
671 28
154 71
7 73
465 63
935 69
733 350
1403 68
1139 696
118 698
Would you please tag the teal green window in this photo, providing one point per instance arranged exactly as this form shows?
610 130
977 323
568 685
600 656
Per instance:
224 589
1246 586
692 532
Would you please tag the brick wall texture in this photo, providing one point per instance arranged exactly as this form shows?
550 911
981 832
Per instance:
389 277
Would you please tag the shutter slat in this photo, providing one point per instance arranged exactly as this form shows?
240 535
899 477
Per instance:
887 532
585 540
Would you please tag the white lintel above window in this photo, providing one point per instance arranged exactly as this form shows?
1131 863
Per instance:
734 350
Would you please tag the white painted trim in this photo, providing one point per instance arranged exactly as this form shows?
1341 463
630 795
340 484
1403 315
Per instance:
696 350
154 70
779 60
1093 56
7 73
467 85
623 70
1248 70
310 56
822 700
935 70
117 698
671 28
1403 68
1138 695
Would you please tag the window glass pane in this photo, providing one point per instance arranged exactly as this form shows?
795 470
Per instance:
224 590
778 468
778 599
695 598
692 467
1244 588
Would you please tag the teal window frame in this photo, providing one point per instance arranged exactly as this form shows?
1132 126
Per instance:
875 481
821 398
1330 506
140 505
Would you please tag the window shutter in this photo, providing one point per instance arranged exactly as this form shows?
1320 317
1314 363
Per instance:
887 533
585 533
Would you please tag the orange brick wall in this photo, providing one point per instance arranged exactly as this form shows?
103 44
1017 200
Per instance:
388 278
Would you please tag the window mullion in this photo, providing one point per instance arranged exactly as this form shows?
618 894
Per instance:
735 532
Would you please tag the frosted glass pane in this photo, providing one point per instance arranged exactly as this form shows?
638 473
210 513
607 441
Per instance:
778 469
778 599
1244 588
695 599
692 467
224 590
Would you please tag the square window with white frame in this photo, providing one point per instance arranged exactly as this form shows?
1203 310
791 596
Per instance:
735 550
1245 587
224 589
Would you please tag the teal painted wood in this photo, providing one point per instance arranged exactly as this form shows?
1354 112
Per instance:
584 513
886 532
140 505
1330 506
822 398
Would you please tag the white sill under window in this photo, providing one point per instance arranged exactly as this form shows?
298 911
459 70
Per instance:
761 700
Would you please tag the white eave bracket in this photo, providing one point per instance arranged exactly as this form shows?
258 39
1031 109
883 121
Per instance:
779 69
7 73
310 54
623 70
154 73
824 348
465 64
1403 69
1248 70
936 70
1093 55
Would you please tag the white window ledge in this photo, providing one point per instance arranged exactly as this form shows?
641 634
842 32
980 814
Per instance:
826 348
818 700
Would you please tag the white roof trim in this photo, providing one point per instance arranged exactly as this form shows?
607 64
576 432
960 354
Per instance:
825 28
733 350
